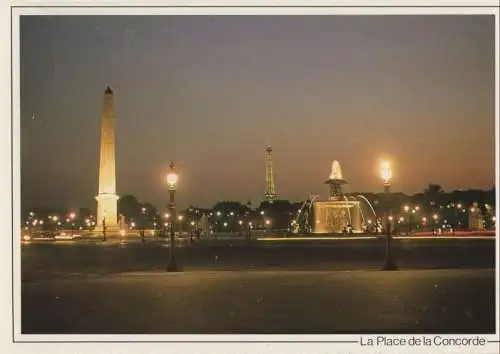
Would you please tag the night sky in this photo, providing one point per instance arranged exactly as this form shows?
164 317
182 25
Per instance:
211 91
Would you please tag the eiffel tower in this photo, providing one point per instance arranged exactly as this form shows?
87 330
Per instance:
270 194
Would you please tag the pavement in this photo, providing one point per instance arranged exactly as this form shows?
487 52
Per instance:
263 302
48 260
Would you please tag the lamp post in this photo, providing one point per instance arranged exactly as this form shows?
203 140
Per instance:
164 231
172 179
456 215
55 218
191 216
192 223
180 218
72 217
143 213
104 228
386 174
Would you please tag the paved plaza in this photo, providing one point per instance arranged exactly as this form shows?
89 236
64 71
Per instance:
260 302
49 260
444 286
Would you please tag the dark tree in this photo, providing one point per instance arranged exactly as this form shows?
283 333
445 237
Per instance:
129 207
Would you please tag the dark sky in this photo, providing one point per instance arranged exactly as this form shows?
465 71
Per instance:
211 91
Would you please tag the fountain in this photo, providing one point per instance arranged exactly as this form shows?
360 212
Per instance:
338 214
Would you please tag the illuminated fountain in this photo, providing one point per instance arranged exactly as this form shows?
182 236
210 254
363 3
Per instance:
338 214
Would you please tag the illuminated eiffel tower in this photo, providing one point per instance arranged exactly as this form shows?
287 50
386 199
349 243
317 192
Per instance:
270 194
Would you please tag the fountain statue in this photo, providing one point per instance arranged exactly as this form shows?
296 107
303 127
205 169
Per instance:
336 171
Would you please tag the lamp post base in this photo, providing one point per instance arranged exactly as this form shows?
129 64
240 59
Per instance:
173 267
390 266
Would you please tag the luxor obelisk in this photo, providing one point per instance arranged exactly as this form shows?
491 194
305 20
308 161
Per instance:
107 200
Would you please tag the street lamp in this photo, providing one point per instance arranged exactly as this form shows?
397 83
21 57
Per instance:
249 235
192 223
143 213
172 179
386 174
104 228
54 219
72 216
240 222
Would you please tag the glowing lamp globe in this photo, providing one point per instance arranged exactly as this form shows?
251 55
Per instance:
386 173
172 179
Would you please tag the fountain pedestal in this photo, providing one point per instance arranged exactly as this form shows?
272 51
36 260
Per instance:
337 216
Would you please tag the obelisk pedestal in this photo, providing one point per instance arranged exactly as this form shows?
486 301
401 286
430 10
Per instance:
107 200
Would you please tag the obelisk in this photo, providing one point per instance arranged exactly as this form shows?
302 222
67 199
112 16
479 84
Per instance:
107 200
